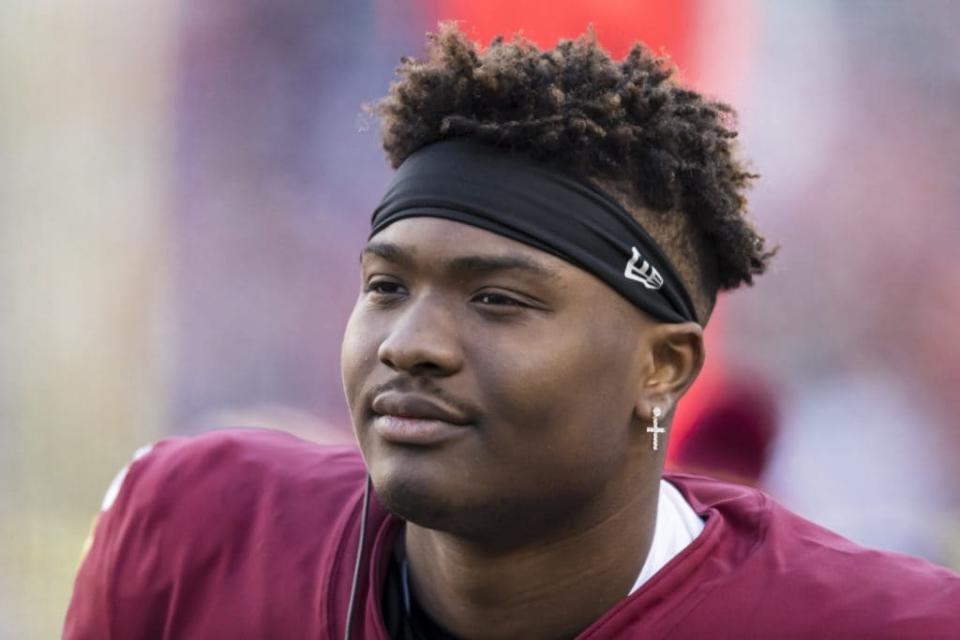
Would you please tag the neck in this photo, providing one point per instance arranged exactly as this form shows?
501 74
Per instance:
552 587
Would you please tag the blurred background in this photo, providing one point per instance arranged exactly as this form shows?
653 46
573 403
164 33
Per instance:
185 187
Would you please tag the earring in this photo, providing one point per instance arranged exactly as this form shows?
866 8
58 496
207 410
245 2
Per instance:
656 429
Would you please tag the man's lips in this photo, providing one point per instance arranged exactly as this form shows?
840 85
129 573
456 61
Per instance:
415 406
416 419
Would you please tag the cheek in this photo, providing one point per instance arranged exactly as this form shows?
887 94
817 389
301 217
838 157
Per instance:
565 394
358 354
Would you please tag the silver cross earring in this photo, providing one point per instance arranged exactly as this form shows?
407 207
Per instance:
656 429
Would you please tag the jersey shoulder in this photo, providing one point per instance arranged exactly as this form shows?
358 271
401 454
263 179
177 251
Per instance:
237 517
785 572
230 467
224 482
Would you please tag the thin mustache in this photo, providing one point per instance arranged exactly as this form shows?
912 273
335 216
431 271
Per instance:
425 388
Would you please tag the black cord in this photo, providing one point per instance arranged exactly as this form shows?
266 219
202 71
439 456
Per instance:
356 568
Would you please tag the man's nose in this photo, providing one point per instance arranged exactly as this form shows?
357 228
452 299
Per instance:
423 341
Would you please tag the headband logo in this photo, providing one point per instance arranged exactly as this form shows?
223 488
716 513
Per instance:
646 274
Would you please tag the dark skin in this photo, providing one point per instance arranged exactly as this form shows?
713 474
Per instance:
533 514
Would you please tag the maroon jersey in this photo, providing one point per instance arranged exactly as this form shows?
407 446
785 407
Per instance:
253 534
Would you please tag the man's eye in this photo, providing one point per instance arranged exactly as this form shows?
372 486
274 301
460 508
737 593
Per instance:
497 299
383 287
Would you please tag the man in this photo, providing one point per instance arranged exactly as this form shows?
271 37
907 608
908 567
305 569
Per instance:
533 296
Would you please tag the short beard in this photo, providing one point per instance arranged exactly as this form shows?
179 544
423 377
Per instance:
424 508
496 524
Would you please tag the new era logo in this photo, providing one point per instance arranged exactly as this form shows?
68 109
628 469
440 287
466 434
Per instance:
645 274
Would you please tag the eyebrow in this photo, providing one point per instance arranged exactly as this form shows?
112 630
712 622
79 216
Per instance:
475 264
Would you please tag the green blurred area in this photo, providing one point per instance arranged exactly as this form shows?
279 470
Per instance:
84 103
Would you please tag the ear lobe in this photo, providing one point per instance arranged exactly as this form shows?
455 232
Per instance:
678 354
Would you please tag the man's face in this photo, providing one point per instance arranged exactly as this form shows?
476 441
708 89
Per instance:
492 385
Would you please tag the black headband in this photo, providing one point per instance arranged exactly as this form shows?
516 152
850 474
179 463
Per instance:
507 193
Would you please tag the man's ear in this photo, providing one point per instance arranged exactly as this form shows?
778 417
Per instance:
677 353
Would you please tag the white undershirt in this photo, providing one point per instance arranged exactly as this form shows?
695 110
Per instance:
677 526
114 489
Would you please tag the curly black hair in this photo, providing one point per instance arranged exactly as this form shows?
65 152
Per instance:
666 152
